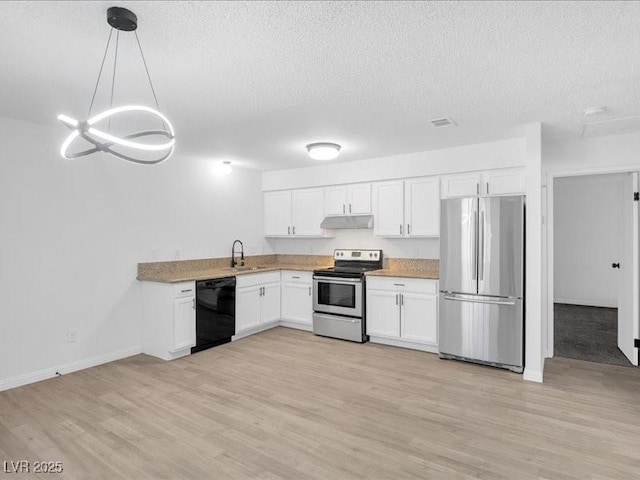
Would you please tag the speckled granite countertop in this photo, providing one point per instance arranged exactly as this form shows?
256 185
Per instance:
409 268
211 268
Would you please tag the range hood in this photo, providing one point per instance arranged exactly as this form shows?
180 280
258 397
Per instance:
347 222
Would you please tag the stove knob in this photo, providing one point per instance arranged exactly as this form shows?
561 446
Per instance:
370 254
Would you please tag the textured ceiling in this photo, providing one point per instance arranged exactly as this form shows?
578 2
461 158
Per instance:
254 82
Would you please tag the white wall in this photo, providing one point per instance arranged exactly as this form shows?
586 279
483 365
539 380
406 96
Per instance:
586 233
480 156
72 233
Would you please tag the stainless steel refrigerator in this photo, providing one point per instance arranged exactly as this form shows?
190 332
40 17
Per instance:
482 281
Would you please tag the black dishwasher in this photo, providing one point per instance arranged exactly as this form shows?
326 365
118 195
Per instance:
215 312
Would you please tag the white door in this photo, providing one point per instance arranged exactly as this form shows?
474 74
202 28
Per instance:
248 307
383 313
359 199
388 209
628 290
419 317
335 200
184 323
270 302
422 207
297 305
277 214
308 212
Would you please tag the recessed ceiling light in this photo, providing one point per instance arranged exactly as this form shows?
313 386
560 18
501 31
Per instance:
323 150
223 168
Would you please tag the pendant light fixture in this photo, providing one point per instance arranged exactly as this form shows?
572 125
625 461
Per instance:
96 130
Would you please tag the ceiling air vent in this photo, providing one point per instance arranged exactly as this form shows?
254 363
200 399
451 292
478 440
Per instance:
442 122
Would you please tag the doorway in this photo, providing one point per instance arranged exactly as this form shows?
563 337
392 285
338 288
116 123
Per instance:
595 268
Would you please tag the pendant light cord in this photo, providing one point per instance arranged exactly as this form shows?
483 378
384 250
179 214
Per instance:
104 57
147 70
113 79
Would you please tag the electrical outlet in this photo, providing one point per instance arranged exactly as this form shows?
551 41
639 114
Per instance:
72 336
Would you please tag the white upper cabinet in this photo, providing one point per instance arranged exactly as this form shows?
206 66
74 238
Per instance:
388 209
503 182
408 208
277 214
308 212
294 213
509 181
348 199
422 207
359 199
335 200
463 185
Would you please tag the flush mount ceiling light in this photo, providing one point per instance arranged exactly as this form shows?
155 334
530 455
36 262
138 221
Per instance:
323 150
127 147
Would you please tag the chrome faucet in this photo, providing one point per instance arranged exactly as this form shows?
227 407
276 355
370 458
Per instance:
233 253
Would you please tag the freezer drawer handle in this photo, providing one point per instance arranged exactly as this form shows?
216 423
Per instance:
484 300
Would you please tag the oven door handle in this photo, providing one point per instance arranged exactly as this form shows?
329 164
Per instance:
338 280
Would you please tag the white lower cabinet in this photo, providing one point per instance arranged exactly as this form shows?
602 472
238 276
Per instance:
169 319
257 302
403 312
297 300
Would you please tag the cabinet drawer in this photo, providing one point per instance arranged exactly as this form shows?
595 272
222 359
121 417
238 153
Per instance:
184 289
252 279
417 285
293 276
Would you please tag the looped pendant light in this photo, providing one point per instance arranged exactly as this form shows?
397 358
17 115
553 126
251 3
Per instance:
129 147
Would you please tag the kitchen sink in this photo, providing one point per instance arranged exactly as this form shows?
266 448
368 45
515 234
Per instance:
244 269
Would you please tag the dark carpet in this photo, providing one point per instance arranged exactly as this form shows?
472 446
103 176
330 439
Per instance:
587 333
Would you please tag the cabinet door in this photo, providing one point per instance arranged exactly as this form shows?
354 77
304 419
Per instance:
308 212
335 200
419 318
277 214
422 207
270 302
297 305
507 182
466 185
388 209
248 307
383 313
359 199
184 323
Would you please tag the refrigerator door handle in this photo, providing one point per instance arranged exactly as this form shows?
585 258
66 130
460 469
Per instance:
481 248
474 247
489 301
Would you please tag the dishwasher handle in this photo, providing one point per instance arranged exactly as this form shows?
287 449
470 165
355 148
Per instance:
216 283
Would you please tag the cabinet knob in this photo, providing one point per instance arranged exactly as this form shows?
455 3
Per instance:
615 265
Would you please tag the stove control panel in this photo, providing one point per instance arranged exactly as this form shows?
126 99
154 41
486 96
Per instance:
358 255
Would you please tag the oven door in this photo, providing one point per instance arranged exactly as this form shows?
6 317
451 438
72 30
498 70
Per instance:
339 296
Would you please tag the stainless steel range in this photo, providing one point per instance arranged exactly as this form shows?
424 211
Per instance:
339 293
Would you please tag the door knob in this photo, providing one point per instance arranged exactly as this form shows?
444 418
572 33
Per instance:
615 265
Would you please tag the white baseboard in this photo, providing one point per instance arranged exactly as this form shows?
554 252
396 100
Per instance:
586 303
298 326
65 368
256 329
404 344
532 376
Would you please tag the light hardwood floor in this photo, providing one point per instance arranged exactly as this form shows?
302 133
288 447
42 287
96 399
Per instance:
288 404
